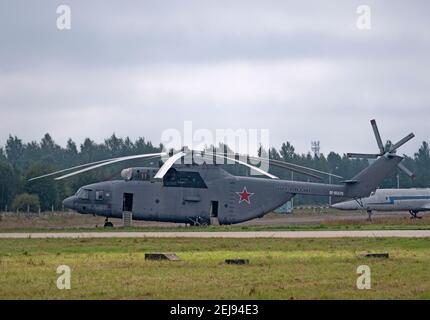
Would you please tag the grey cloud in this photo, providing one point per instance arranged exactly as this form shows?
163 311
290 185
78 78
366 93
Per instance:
301 69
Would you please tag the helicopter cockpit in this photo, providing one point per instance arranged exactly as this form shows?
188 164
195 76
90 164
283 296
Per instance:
83 194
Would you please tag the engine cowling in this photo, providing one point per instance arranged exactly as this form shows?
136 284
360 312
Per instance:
138 173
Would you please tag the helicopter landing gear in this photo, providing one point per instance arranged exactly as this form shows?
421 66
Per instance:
108 224
369 212
198 221
413 214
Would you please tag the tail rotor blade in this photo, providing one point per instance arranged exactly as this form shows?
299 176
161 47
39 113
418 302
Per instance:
408 172
401 142
377 136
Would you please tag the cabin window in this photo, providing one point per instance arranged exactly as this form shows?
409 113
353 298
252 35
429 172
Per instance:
144 175
183 179
99 195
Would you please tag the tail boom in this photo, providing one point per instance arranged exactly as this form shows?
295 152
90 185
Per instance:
359 186
370 178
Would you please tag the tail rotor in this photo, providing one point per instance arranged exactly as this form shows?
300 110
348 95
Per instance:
387 151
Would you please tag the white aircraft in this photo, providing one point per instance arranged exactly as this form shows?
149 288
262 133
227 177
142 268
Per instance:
412 200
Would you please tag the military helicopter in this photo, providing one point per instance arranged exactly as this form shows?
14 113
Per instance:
205 193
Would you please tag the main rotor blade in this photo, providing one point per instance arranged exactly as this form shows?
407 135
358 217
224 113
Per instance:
377 136
408 172
401 142
112 161
362 155
69 169
284 165
168 164
292 167
280 165
244 164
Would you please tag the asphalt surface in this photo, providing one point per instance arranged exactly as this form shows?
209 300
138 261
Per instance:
244 234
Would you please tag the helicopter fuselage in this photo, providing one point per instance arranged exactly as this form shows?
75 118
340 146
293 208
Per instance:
200 194
185 195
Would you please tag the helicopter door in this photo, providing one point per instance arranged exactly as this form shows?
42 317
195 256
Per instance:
127 202
214 209
214 213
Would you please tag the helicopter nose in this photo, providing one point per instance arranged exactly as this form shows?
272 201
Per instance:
69 202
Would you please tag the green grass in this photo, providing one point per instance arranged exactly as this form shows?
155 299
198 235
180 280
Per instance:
73 222
278 269
301 227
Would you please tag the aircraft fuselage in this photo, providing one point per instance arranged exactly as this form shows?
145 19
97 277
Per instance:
191 195
390 200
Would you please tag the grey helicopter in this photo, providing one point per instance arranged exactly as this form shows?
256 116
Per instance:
205 193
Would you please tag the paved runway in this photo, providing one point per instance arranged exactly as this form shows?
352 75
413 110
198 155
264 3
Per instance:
245 234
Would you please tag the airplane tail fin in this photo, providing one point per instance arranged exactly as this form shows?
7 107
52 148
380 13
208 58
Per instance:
370 178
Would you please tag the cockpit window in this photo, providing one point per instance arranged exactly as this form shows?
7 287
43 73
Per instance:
183 179
83 194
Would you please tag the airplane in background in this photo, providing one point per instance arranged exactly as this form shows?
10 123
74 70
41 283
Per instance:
412 200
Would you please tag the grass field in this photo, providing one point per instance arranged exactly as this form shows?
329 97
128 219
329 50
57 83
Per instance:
278 269
73 222
304 227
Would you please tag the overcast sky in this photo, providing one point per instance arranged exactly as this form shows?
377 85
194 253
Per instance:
301 69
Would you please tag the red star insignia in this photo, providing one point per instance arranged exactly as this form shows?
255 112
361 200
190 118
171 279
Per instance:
244 195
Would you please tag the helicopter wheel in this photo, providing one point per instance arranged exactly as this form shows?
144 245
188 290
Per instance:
369 212
413 214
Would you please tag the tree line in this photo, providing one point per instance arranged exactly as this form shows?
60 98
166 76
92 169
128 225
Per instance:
21 161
